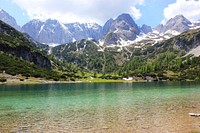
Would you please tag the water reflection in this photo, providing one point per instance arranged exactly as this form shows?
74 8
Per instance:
100 107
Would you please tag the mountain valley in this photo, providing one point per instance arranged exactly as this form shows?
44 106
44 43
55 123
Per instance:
118 49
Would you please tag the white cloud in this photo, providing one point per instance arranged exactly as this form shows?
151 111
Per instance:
79 10
136 13
189 8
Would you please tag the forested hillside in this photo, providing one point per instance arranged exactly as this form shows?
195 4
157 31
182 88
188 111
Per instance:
19 54
167 60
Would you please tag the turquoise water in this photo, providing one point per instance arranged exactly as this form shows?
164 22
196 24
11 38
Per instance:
100 107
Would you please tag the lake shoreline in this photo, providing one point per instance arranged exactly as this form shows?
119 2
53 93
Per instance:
44 81
33 80
18 79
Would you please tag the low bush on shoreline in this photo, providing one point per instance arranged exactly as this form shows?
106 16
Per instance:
3 79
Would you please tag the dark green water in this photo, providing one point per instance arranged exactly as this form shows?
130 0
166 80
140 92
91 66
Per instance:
100 107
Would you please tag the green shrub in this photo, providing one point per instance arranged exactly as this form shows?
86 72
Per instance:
21 79
3 79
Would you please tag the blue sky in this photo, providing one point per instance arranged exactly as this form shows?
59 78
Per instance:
150 12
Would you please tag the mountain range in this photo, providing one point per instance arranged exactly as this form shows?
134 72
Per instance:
120 47
120 31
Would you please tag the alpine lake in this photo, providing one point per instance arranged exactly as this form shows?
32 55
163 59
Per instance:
149 107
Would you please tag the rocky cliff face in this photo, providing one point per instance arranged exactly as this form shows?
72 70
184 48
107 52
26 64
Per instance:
179 24
5 17
27 54
52 31
146 29
159 28
122 28
107 26
33 28
85 31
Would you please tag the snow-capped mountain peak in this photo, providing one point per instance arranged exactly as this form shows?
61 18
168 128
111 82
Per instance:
178 23
122 31
53 31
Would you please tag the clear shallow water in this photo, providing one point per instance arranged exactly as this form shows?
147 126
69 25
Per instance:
100 107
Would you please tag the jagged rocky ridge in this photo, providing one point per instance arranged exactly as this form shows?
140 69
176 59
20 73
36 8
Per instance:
178 24
52 31
5 17
121 31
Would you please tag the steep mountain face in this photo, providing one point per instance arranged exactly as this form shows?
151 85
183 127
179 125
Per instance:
122 28
179 24
85 31
32 28
5 17
173 27
52 31
159 28
107 26
19 45
146 29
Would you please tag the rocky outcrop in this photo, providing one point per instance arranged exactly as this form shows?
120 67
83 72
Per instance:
26 54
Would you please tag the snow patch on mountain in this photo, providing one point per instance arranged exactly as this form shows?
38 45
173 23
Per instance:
74 40
51 44
172 32
124 43
53 31
41 29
